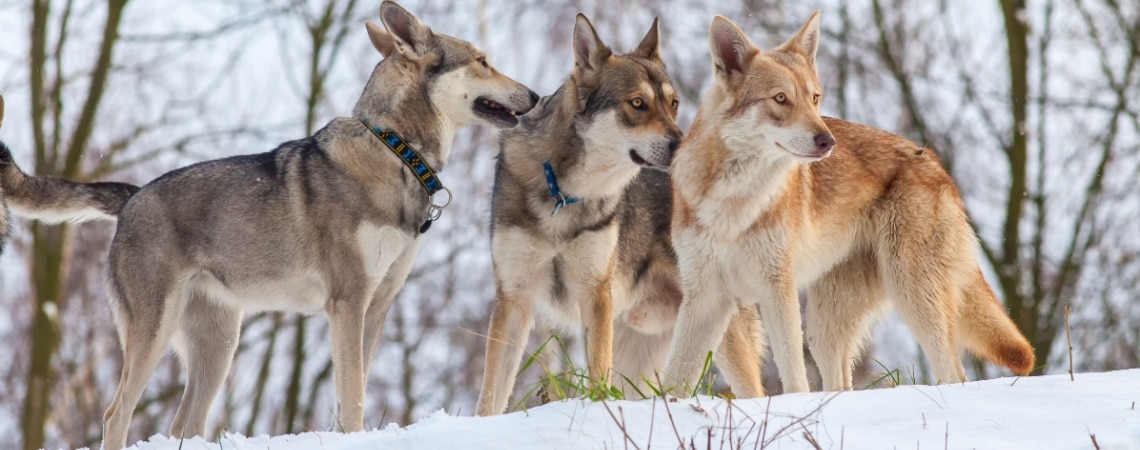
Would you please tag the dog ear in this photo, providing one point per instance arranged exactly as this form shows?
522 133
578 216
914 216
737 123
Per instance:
731 50
806 41
589 51
410 36
383 41
649 47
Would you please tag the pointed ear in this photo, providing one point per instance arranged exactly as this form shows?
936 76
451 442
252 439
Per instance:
383 41
806 41
649 47
589 51
410 36
731 50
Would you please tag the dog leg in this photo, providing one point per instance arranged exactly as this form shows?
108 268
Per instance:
346 321
701 323
511 323
382 301
638 358
209 332
598 314
780 307
741 354
933 326
144 342
842 305
929 307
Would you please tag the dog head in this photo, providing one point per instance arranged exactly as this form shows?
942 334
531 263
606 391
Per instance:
461 84
768 102
626 104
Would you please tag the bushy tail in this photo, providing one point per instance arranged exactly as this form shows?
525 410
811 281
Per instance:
57 200
988 332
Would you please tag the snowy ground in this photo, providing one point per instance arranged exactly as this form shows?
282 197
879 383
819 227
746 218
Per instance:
1048 412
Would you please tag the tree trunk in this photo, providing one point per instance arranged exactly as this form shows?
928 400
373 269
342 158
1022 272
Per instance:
49 244
1021 308
47 277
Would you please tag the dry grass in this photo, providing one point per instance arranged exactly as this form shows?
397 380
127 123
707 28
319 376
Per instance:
738 430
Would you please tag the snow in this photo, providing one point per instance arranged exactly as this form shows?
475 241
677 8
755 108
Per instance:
1048 412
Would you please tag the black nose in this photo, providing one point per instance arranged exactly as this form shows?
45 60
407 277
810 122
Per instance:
533 96
673 145
824 142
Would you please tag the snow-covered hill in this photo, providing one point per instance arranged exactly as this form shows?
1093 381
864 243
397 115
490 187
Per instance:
1048 412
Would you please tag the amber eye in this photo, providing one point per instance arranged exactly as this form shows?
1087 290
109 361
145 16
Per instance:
815 99
781 98
482 60
674 105
637 103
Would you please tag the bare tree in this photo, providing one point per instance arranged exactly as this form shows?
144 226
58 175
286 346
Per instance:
54 157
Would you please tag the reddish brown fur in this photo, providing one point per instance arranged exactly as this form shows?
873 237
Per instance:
879 218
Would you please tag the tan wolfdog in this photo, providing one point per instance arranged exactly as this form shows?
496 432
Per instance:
761 210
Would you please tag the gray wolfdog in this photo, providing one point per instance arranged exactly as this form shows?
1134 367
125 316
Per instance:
571 244
327 224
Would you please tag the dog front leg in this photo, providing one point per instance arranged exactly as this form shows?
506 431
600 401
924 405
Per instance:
599 318
511 322
382 300
780 307
346 321
701 323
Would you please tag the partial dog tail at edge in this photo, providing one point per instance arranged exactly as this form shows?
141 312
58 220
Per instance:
58 200
987 331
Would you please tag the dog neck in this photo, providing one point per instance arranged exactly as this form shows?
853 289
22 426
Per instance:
406 108
574 159
726 182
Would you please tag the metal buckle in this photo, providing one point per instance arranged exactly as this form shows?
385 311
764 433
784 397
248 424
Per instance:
434 211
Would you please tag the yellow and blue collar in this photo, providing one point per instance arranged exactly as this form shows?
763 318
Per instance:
420 168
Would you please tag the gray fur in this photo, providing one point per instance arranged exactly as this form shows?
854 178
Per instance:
53 200
543 274
326 224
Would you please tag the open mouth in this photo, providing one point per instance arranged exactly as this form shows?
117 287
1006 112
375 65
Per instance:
495 112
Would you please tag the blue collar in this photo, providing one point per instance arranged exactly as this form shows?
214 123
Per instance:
560 199
420 168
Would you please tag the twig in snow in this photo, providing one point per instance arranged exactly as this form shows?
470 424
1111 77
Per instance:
1093 437
680 440
621 425
810 439
652 420
1069 337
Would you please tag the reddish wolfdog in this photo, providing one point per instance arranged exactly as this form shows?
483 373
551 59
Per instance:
769 197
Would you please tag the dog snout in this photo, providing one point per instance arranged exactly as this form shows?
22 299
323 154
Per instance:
533 97
673 144
824 142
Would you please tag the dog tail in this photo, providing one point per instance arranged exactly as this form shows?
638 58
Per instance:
58 200
988 332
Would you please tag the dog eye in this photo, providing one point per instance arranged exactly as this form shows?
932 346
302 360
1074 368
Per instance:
482 60
781 98
674 105
637 103
815 99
